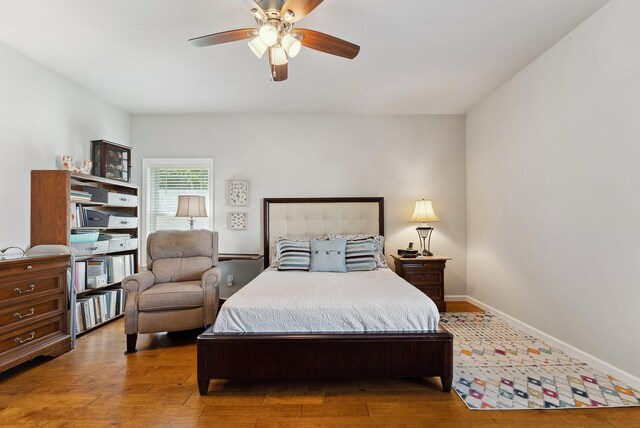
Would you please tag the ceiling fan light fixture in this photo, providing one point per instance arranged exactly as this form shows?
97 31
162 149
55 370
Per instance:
269 34
288 16
258 14
257 47
291 45
278 56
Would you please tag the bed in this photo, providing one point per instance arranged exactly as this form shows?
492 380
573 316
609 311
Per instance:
321 325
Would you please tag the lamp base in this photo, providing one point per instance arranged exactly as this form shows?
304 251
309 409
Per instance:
427 253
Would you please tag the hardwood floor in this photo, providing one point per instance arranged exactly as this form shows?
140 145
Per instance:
97 385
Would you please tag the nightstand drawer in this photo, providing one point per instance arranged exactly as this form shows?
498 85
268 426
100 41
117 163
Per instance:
29 335
28 312
30 266
435 292
427 277
29 288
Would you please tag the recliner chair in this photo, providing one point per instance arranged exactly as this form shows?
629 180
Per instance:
179 291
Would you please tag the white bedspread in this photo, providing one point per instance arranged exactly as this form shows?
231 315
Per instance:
324 302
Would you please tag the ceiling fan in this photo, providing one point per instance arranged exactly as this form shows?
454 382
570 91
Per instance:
275 34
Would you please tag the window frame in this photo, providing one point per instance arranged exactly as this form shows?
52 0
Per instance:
148 163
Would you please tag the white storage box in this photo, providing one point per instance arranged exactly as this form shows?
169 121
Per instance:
96 281
89 248
122 244
110 220
111 198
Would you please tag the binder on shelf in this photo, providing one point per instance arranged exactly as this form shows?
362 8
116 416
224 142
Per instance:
80 324
81 276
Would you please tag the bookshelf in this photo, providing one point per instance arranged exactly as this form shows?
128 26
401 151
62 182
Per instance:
57 213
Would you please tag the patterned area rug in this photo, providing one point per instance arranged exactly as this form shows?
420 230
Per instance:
499 367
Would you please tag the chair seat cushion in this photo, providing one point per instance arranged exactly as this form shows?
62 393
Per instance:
171 295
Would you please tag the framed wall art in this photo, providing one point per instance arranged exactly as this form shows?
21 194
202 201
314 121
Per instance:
237 192
236 221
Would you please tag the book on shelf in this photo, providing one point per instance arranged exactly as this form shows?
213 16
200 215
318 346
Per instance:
80 276
79 195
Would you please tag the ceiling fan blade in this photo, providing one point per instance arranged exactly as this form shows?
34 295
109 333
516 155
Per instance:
300 8
328 44
224 37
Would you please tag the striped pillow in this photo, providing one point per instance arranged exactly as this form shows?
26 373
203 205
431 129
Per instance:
381 260
360 254
294 255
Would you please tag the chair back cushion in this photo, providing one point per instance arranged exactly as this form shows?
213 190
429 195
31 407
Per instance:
181 255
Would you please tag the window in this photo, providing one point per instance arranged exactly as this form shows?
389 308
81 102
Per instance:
166 179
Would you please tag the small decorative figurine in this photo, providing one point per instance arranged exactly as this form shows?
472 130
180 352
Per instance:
69 165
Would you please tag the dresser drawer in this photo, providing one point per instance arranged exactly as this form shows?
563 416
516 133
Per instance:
31 266
420 276
435 292
30 312
29 335
32 287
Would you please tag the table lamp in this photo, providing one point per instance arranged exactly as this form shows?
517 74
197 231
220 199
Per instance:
191 206
423 213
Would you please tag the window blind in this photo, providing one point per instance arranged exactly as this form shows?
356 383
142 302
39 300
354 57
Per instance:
165 185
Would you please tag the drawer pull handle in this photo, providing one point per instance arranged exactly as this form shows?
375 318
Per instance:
20 291
124 222
29 267
124 199
31 337
28 314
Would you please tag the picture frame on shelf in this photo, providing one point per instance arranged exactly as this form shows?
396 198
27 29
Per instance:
237 192
237 221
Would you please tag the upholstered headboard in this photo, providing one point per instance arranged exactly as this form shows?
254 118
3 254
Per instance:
319 216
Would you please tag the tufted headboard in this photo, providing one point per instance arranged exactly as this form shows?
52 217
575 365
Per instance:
319 216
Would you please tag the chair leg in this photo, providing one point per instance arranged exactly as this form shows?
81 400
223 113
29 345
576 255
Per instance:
131 343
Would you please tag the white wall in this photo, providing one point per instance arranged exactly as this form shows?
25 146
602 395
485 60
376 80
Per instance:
553 182
42 116
402 158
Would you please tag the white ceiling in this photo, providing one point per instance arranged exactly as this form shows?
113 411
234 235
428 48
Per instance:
417 56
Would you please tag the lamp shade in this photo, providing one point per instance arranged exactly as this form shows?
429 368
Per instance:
423 212
291 45
268 34
278 56
258 47
191 206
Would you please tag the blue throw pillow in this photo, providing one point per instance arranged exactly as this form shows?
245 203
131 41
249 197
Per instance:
361 254
328 256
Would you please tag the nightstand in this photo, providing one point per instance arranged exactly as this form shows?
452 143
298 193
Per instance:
242 268
426 273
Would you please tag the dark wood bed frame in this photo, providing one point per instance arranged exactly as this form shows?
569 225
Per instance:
324 356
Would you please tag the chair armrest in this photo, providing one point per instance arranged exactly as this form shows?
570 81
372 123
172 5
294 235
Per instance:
210 281
137 283
134 285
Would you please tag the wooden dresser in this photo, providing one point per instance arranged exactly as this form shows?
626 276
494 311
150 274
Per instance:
426 274
33 309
